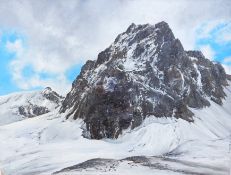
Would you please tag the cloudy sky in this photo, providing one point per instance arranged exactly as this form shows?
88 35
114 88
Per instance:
45 43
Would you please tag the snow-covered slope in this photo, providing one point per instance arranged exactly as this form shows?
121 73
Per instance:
50 143
154 107
18 106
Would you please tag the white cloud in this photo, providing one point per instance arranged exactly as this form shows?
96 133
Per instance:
65 33
226 65
207 51
224 35
57 82
15 46
62 87
227 68
204 31
227 60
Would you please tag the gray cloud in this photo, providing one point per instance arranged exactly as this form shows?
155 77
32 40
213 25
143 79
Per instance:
62 33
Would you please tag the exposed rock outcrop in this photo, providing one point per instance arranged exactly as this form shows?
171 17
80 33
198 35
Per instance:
145 72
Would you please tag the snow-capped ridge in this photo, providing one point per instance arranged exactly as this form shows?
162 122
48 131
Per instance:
22 105
33 146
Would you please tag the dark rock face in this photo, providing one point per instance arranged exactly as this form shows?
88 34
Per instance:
145 72
32 110
228 77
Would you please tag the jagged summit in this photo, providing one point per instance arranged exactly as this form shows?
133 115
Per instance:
161 29
145 72
162 26
47 90
51 95
195 54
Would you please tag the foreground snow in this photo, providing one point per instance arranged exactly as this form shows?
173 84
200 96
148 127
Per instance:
49 143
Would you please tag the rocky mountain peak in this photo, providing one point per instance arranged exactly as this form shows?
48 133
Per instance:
47 90
38 103
144 72
51 95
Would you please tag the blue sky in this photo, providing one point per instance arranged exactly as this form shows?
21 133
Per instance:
7 84
216 41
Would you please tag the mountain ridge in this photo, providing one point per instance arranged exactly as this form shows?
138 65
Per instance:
19 106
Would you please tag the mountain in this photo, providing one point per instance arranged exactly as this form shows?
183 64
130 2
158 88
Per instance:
19 106
144 72
169 110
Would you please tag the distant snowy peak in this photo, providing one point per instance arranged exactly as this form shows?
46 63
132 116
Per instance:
17 106
51 95
47 100
144 72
